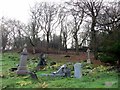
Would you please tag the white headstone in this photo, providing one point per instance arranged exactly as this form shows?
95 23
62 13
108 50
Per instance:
22 68
88 56
78 70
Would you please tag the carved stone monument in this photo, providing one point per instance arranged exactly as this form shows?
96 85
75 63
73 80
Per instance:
78 70
63 71
88 56
22 68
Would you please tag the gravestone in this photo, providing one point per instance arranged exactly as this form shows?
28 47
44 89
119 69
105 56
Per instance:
88 56
22 68
42 62
78 70
63 71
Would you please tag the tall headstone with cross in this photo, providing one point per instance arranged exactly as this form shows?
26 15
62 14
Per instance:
22 68
88 56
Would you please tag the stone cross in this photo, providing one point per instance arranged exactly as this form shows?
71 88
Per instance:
88 56
78 70
22 68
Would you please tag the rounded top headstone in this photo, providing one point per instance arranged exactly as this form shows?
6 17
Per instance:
78 64
78 70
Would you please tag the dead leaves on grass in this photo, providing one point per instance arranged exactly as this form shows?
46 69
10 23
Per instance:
42 85
24 83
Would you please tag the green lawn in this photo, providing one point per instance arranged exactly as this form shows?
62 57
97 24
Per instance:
95 79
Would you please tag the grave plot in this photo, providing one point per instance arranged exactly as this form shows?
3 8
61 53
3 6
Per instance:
82 74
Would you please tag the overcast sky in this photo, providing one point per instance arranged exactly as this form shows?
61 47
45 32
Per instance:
19 9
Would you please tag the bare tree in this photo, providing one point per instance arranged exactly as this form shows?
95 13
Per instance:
109 18
19 32
46 20
85 36
34 28
77 13
12 34
92 9
30 34
4 33
63 17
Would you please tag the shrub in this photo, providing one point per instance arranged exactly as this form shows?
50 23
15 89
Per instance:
110 47
107 58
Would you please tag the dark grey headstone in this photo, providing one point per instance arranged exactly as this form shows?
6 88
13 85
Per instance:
42 62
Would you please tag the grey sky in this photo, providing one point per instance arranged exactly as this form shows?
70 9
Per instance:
19 9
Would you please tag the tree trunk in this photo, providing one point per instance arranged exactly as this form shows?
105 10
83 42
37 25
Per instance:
65 47
65 44
47 41
76 46
33 50
33 46
60 43
93 37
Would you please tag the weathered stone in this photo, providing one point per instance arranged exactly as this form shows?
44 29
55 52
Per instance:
22 68
78 70
22 72
88 56
63 71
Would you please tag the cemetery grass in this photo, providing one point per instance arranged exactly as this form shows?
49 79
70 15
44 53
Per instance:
11 80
